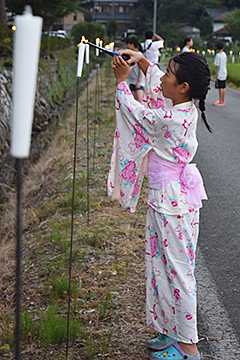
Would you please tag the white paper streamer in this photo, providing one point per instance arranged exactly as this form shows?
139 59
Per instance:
87 54
81 50
25 67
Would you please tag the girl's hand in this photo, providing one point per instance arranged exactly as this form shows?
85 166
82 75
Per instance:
121 69
135 57
138 85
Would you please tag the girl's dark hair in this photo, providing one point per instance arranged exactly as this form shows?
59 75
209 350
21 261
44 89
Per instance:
186 40
193 68
133 40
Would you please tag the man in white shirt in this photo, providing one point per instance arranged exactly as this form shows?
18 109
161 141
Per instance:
150 47
220 62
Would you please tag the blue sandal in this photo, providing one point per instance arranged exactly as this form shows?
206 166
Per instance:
173 352
161 342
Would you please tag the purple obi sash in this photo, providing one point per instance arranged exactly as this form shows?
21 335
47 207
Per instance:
162 172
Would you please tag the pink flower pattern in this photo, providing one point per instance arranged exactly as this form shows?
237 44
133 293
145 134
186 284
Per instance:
181 154
129 171
140 138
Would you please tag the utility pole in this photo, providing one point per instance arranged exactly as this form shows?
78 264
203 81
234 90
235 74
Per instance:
113 9
154 16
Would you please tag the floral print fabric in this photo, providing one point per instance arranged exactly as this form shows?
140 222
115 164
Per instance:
170 246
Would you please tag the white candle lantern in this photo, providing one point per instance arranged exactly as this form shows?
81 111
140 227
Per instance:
87 53
81 50
97 43
26 49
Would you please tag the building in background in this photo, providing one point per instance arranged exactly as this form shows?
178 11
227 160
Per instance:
72 19
104 10
190 30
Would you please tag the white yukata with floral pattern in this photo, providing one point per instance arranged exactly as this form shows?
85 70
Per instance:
172 223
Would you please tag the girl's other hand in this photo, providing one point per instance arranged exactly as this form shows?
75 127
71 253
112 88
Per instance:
121 69
134 56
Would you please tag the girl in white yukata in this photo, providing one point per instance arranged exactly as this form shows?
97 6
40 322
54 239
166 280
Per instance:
158 137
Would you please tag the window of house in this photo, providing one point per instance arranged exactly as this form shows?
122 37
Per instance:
105 8
74 17
121 9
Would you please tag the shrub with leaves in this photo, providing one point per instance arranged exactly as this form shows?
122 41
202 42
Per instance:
91 31
6 42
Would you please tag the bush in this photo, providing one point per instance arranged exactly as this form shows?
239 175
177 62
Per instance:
50 43
6 42
112 28
91 31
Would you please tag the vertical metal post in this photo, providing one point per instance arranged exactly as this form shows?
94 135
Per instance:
18 259
154 16
88 157
73 197
113 9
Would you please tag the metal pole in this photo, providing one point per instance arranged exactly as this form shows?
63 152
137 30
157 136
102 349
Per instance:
18 260
154 16
113 9
73 196
88 157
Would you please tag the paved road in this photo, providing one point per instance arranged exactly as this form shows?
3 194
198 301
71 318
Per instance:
218 256
218 159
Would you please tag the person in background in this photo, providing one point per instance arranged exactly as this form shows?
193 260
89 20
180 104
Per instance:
187 44
150 47
220 62
136 78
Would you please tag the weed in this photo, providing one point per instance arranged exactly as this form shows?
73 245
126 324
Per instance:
60 239
60 287
27 325
89 294
91 347
105 309
54 327
104 343
7 330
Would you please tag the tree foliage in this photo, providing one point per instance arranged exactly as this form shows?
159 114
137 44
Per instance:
50 11
6 43
91 31
170 13
233 24
111 28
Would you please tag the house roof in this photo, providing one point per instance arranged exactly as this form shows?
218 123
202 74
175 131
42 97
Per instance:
214 12
220 17
222 31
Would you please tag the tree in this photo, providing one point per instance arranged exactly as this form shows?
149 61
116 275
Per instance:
91 31
50 11
111 28
233 24
143 16
3 16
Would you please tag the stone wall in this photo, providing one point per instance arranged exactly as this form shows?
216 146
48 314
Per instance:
53 83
